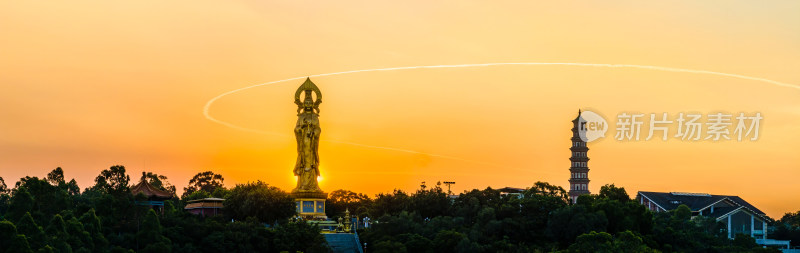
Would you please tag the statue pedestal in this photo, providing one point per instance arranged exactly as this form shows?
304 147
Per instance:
310 205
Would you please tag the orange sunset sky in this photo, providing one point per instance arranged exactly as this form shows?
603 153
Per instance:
89 84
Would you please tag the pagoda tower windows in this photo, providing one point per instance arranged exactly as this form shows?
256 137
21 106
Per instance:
579 169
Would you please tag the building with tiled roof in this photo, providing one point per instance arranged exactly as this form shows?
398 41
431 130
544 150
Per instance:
205 207
154 197
150 191
740 216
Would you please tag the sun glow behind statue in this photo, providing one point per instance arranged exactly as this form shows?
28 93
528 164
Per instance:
207 107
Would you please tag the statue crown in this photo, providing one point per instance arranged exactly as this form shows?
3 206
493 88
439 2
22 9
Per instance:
308 86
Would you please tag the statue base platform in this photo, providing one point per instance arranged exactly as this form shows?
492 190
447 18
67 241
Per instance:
310 205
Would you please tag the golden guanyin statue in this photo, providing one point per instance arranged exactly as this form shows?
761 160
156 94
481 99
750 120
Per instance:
307 132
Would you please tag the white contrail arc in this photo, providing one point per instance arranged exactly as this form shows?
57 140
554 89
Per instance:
602 65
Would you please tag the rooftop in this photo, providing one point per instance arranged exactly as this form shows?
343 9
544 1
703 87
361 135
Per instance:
204 203
696 201
206 200
149 190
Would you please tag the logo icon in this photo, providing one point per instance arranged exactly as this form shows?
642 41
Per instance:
591 126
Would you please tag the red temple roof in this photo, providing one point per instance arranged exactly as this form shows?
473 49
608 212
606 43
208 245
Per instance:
148 190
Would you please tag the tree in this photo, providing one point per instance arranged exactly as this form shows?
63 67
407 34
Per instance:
788 228
91 224
299 237
340 200
5 201
266 203
196 195
676 231
390 247
624 242
593 242
4 197
430 202
610 211
27 226
612 192
78 238
538 220
622 213
207 181
791 219
56 177
72 187
628 242
57 233
220 192
541 199
150 237
470 203
113 180
569 222
415 242
390 203
447 240
546 189
47 200
10 240
683 213
46 249
3 187
158 181
21 203
536 205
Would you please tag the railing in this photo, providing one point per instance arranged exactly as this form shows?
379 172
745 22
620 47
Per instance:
149 203
784 244
355 235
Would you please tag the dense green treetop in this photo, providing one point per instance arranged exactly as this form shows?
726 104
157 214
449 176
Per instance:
52 215
207 181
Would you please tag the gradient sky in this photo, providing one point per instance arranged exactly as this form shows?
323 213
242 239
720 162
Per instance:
90 84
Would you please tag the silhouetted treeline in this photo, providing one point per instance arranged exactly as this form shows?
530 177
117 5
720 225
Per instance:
53 215
540 219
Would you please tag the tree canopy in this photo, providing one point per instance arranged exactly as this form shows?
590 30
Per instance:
113 180
51 214
266 203
538 220
207 181
158 181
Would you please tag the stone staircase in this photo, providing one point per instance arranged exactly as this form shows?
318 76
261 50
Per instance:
343 242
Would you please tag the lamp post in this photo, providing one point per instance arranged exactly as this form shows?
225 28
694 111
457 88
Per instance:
448 183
